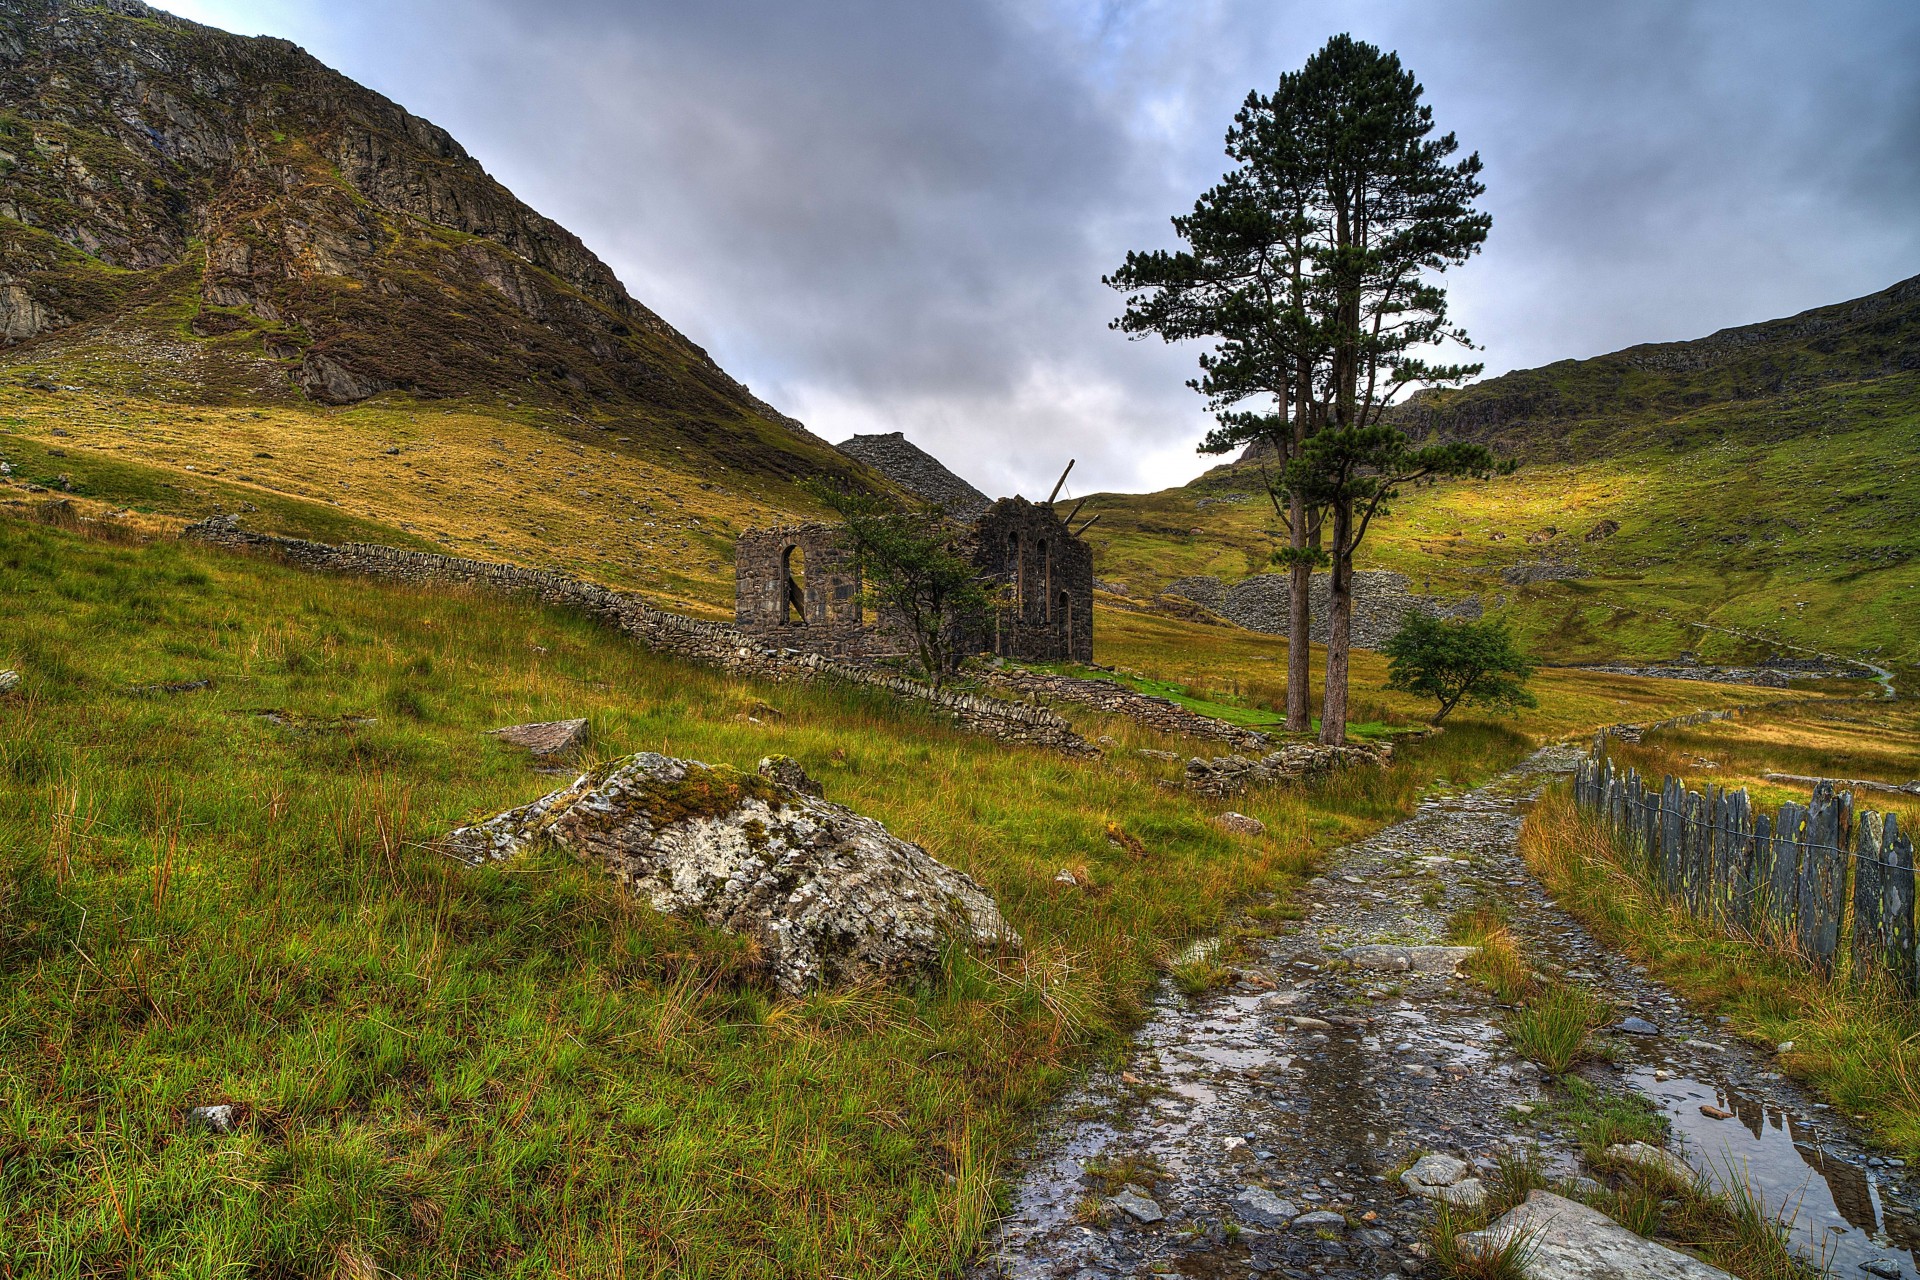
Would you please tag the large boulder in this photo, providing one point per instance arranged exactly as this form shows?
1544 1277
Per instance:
831 897
1566 1240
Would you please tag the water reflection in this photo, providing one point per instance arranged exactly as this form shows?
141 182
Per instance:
1836 1208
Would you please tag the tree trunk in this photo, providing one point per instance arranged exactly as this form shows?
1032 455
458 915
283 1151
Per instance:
1299 625
1333 708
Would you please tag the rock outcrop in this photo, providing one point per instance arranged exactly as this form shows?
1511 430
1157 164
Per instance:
548 740
829 896
1565 1240
918 472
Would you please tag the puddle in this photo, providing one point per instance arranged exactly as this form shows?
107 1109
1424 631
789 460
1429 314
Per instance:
1837 1211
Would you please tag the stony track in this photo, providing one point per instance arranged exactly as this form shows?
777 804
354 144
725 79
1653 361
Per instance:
1258 1130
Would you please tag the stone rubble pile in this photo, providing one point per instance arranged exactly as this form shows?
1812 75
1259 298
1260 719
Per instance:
1227 775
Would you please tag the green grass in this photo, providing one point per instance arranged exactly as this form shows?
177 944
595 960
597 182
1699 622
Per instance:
1719 526
518 1070
1553 1027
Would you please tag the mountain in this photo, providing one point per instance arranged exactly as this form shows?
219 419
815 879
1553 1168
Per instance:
918 472
1645 392
168 190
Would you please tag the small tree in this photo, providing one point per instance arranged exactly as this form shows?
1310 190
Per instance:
909 565
1475 662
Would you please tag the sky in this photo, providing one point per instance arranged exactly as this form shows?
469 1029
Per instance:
888 216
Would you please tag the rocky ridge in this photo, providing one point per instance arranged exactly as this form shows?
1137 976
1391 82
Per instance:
918 472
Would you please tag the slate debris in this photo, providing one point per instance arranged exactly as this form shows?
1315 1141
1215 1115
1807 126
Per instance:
547 740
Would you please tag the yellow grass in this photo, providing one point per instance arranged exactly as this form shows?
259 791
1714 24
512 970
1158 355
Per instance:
478 481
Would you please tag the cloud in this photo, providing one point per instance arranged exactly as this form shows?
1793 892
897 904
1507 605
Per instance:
886 216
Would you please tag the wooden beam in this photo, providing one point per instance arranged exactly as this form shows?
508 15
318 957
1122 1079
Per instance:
1076 510
1061 481
1083 528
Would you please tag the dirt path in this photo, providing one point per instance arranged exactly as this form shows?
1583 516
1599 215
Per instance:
1304 1086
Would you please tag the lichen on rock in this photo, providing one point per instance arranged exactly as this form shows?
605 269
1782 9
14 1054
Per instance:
830 896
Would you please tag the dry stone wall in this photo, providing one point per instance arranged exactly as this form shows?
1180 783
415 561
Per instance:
1382 602
1162 714
709 643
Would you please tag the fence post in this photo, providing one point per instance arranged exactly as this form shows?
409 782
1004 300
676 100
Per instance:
1742 855
1673 837
1869 934
1820 903
1785 889
1896 904
1764 873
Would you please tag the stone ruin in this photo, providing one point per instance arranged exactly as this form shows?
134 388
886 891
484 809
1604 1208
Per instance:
799 587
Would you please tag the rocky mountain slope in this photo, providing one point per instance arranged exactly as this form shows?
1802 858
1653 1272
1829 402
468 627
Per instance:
167 186
918 472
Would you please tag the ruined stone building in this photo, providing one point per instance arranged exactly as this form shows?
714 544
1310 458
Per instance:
799 587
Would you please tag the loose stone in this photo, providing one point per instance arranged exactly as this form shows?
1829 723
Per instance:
220 1118
1263 1208
1137 1204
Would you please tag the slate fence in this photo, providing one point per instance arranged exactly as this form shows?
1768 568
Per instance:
1805 879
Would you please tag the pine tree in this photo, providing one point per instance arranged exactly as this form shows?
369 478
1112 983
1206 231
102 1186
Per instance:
1392 210
1244 281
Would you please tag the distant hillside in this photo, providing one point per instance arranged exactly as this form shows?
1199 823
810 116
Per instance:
1764 480
1643 394
236 221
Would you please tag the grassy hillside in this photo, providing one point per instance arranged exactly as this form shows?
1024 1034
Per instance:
1796 516
1645 395
476 479
517 1070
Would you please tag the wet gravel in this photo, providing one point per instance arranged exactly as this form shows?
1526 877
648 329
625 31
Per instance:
1307 1086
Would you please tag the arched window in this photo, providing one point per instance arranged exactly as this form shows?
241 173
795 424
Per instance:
793 587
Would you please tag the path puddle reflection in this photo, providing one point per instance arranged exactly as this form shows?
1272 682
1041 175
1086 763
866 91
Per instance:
1836 1207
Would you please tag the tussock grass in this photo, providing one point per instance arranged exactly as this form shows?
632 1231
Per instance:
1554 1026
1499 964
1601 1118
1858 1047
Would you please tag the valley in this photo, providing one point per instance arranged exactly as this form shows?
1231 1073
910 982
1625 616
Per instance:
266 1013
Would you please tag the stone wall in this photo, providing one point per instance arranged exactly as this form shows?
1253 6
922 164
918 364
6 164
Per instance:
713 644
1163 714
798 586
1381 603
1027 549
